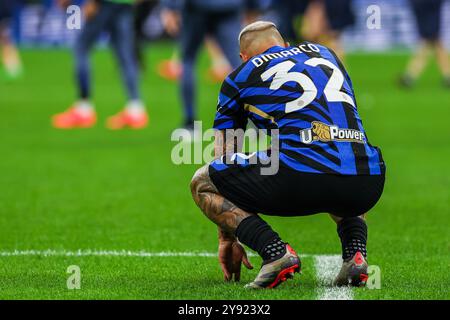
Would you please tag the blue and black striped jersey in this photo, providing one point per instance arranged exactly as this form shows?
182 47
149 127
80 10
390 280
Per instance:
305 93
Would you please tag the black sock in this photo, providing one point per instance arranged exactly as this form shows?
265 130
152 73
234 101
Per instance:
255 233
353 234
274 250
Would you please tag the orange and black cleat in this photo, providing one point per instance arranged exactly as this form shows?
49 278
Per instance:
273 273
74 118
353 272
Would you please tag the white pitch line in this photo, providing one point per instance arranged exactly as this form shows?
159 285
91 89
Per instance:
327 267
111 253
104 253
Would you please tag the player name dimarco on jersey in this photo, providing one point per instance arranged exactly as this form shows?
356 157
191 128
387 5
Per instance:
303 48
322 132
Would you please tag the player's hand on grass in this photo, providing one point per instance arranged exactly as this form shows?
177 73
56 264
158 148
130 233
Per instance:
231 255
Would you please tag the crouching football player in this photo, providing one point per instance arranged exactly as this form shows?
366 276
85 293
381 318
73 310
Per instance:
326 164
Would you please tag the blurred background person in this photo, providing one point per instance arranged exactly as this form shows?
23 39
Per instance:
116 18
339 16
171 69
12 64
325 20
428 19
314 24
142 10
287 16
192 21
220 66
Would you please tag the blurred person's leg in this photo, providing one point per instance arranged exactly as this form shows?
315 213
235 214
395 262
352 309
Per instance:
226 27
443 62
171 69
334 42
287 11
428 19
285 16
220 67
416 64
94 26
82 114
339 15
191 38
10 54
439 48
142 10
122 41
314 24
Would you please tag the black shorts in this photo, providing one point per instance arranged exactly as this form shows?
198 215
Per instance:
339 14
6 10
294 193
428 17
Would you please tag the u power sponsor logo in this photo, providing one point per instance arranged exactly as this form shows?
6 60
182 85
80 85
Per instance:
322 132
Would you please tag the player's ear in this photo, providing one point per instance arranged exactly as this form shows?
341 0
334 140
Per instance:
243 56
287 44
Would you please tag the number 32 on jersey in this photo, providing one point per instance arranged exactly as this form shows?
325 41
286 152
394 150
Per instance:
332 89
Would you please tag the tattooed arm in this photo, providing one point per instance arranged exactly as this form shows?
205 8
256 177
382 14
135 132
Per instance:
222 212
224 144
227 217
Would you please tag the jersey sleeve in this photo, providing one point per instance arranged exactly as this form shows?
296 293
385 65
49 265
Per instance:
230 113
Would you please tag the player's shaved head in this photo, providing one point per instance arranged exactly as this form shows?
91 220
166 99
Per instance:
257 37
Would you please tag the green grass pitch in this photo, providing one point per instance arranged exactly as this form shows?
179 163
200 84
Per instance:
103 190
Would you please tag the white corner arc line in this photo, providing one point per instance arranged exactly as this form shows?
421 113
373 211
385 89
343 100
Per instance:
327 267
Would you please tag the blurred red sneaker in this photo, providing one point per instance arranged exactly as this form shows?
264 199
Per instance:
127 119
170 69
74 118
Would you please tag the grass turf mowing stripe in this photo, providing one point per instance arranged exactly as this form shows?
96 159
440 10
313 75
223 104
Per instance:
327 267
